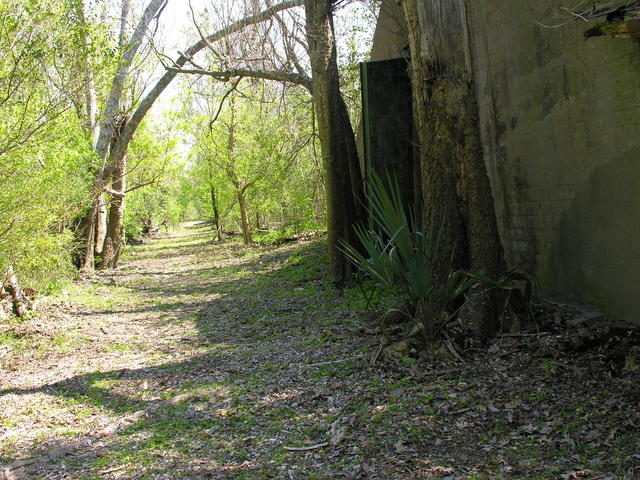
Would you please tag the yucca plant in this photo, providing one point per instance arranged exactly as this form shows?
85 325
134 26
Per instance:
398 256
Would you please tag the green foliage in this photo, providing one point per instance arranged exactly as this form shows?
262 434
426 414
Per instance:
260 145
42 188
155 181
45 151
47 49
398 256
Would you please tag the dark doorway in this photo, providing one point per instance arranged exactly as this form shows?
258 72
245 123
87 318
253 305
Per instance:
388 123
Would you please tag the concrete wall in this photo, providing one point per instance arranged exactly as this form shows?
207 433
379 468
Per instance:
390 37
560 122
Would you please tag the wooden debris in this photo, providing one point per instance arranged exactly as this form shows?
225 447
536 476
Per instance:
114 469
309 447
451 348
332 362
20 301
376 353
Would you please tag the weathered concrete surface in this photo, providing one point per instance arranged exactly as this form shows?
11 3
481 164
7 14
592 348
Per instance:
390 37
560 120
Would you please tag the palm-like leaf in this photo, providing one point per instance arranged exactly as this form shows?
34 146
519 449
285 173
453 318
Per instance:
396 255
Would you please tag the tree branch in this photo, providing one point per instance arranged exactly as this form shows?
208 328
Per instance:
289 77
166 79
114 193
128 56
231 90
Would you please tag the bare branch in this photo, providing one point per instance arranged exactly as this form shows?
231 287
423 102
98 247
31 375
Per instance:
628 10
231 90
279 76
166 79
114 193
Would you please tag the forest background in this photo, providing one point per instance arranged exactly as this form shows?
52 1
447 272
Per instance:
242 152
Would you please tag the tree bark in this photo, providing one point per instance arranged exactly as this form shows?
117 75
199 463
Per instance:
89 227
101 223
19 299
343 178
244 217
114 240
455 184
216 213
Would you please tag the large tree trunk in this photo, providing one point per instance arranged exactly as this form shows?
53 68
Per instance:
244 217
114 240
88 224
343 178
454 179
106 131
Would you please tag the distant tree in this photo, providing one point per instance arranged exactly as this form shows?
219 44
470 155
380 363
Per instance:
114 136
253 142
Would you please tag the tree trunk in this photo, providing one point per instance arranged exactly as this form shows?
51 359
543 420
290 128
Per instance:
455 183
106 132
18 298
89 227
101 223
115 227
216 213
343 178
246 231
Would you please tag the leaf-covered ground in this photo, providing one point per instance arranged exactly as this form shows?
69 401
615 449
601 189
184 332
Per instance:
199 360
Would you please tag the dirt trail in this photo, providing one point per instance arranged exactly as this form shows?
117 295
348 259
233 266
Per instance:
199 360
183 319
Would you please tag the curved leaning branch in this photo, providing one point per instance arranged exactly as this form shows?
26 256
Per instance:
171 73
115 94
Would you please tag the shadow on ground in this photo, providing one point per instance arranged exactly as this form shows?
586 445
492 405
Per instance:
251 355
260 320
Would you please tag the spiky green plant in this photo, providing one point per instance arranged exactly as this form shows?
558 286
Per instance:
396 254
399 257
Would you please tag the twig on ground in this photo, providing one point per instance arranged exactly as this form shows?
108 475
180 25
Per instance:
376 353
451 348
332 362
309 447
506 354
517 335
462 410
114 469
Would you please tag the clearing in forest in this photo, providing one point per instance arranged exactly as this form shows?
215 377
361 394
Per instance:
198 360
